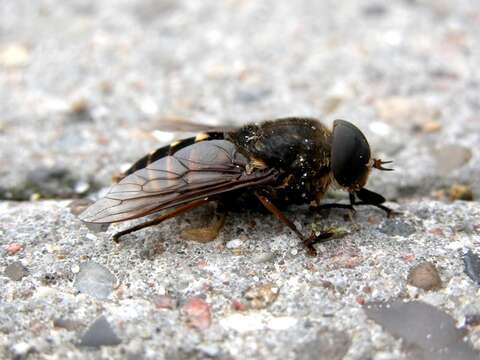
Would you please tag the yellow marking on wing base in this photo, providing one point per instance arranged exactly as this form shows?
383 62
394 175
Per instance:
201 137
258 164
255 164
175 143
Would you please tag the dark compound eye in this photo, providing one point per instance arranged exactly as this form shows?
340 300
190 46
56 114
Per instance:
350 153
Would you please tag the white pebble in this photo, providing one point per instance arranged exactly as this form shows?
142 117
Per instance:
243 323
234 244
91 237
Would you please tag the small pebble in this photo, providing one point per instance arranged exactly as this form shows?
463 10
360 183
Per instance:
471 263
198 313
472 319
66 324
80 111
451 157
14 248
16 271
164 302
261 296
95 280
81 187
79 106
431 331
238 306
91 237
265 257
424 276
100 333
397 227
431 126
234 244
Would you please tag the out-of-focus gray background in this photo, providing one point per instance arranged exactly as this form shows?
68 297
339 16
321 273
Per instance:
87 87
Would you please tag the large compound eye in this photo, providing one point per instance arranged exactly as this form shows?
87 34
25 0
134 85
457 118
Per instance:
350 154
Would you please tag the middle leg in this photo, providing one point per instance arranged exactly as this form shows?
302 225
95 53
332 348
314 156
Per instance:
308 242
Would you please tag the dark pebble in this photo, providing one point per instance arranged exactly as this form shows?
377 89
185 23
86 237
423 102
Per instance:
426 331
472 320
100 333
397 227
471 262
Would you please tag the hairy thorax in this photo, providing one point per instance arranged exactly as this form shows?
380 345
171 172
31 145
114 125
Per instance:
298 148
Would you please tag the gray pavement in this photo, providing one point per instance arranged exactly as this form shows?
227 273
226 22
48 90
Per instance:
88 87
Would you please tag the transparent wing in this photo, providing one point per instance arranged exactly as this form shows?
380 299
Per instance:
197 171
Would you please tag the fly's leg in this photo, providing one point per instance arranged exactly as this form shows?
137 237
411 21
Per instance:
368 197
389 212
308 242
161 218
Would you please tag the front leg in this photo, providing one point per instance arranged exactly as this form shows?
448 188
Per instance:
368 197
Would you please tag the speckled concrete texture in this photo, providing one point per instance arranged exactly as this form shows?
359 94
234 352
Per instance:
88 87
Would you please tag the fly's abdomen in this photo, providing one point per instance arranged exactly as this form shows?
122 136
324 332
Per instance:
170 150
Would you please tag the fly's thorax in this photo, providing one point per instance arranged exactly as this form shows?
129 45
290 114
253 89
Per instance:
289 144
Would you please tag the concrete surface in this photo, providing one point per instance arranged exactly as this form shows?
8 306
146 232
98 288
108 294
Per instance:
87 87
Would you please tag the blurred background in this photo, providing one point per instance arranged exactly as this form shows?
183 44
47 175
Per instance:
87 87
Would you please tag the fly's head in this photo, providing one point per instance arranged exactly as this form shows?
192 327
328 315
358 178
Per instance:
351 160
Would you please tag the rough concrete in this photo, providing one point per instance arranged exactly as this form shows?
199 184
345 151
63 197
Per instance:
87 87
300 296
